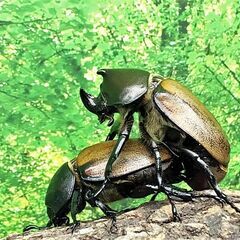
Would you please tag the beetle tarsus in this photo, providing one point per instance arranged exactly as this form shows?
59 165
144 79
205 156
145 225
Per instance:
229 202
31 227
113 228
35 227
74 226
176 217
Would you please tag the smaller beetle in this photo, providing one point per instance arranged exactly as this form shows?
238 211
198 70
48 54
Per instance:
69 186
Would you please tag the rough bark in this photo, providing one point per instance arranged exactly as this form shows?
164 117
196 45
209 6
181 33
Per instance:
201 219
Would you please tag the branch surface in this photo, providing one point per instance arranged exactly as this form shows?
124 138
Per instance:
201 219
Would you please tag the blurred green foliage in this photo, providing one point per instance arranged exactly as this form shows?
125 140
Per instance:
49 49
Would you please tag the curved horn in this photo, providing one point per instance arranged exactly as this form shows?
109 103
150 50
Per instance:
90 102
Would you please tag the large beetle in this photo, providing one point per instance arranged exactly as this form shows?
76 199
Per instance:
169 113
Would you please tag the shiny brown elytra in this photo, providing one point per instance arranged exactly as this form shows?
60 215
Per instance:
174 99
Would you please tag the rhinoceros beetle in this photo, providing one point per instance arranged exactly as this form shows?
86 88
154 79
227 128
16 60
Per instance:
168 112
68 188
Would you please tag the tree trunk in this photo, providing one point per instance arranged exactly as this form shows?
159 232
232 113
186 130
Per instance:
201 219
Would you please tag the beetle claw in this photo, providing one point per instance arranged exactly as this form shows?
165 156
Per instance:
73 226
220 200
114 228
223 199
176 218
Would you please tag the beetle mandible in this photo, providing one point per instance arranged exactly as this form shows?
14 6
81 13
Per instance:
169 113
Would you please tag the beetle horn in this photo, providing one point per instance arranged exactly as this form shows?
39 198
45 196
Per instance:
90 102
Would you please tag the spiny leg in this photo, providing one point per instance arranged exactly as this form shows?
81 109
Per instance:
123 136
211 179
161 185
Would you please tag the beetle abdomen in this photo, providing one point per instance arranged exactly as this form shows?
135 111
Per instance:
190 115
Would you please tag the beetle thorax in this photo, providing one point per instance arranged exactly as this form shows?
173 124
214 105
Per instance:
154 124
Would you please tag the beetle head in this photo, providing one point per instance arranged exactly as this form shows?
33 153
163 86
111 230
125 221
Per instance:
98 106
123 86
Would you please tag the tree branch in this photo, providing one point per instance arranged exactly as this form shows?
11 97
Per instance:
53 55
201 219
10 95
4 23
232 73
222 85
23 100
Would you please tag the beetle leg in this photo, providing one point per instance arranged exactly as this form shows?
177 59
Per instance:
211 179
35 227
77 205
154 147
158 163
172 191
168 191
161 185
184 194
106 209
109 213
123 136
176 217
